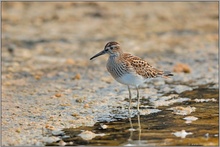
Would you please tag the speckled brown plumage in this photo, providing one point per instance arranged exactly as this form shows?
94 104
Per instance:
140 66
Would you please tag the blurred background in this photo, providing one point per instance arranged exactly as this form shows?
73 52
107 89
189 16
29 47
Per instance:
46 48
77 30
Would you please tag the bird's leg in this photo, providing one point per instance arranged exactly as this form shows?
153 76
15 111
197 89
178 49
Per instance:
138 102
129 107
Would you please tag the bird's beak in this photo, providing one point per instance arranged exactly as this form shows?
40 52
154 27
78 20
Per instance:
99 54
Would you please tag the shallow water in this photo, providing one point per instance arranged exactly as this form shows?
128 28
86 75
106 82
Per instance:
157 128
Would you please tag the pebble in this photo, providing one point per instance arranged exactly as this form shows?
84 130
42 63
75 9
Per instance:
77 77
179 110
58 95
80 100
86 106
189 119
62 143
75 114
182 134
149 111
159 82
131 129
50 139
181 67
181 88
165 89
18 130
205 100
49 127
104 126
37 77
11 48
167 100
58 132
88 135
107 79
206 135
70 61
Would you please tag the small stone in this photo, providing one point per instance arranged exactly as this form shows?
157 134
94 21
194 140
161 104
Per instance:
206 135
58 133
49 127
70 61
179 110
75 114
181 67
7 83
86 106
166 89
18 130
70 143
10 69
80 100
182 134
62 143
58 95
131 129
182 88
189 119
76 77
107 79
11 48
88 135
159 82
50 139
37 77
205 100
38 143
67 104
8 76
75 96
104 126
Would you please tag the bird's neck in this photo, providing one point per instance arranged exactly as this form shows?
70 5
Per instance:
115 57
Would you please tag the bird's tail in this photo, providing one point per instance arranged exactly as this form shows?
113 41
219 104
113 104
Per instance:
167 74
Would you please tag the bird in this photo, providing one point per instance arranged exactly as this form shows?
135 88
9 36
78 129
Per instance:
128 69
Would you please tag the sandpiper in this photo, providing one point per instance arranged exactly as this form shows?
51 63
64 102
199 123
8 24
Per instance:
128 69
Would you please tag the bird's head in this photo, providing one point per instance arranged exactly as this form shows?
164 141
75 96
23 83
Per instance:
112 48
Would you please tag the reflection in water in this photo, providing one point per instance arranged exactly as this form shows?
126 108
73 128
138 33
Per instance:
139 125
158 129
130 140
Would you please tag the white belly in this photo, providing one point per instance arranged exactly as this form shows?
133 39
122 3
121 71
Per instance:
131 79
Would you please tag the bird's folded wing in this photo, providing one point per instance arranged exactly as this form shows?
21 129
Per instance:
141 67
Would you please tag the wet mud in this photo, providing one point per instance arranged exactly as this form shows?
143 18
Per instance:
157 129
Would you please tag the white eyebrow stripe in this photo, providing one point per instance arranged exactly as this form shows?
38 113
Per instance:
114 45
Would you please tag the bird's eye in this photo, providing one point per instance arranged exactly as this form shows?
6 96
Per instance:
111 48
